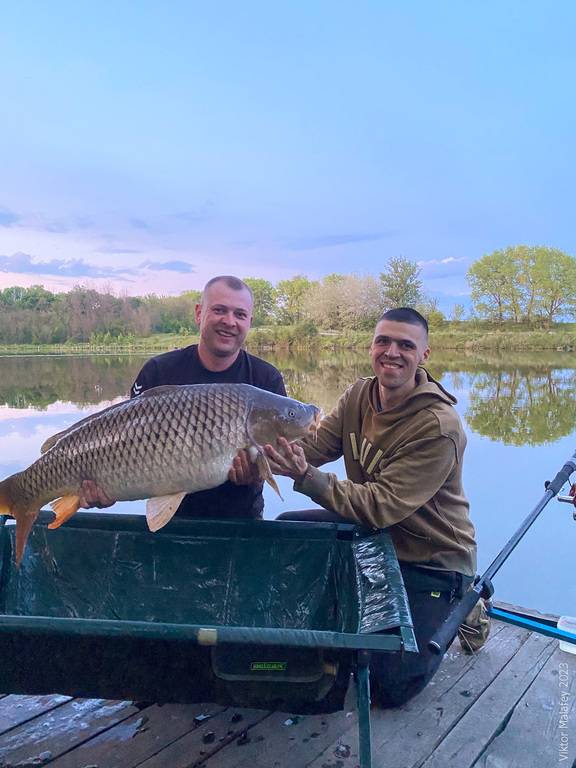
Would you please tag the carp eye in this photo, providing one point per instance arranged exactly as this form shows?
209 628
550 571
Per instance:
292 414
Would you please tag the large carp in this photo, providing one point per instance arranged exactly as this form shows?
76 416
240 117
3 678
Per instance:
165 443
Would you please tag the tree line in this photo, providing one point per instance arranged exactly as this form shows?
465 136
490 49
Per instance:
520 284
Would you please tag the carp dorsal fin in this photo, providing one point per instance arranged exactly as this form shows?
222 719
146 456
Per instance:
51 441
266 473
161 509
159 390
47 444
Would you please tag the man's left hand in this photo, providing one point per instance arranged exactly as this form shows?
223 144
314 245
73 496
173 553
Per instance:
289 460
243 470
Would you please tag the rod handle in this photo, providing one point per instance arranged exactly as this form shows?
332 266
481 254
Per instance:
562 477
444 635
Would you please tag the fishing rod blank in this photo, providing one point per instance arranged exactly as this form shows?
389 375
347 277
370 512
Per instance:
483 585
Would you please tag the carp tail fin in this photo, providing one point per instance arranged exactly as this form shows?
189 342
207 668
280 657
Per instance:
24 517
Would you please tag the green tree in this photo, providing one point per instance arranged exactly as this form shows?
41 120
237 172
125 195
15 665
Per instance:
290 296
264 300
555 276
524 284
400 283
429 308
492 279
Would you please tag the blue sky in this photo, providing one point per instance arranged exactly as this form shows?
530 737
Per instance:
147 146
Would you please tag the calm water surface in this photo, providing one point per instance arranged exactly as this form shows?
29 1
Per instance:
519 414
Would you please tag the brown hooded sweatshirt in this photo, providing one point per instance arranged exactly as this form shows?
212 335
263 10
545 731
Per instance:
404 469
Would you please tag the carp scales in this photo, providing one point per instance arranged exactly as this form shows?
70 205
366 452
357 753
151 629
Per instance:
164 443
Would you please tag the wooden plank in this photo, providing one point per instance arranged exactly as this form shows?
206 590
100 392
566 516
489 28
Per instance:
403 737
61 729
530 613
490 712
283 740
328 739
16 709
139 737
233 726
542 728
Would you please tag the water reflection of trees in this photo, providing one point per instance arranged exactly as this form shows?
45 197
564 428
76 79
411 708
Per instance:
516 400
321 378
526 398
521 407
36 382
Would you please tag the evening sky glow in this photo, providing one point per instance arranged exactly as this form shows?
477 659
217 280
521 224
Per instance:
145 147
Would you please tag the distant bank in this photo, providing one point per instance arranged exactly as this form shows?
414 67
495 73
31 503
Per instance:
450 335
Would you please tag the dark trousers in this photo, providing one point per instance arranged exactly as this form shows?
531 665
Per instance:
396 678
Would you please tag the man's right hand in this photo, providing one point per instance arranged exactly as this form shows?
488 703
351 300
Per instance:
91 495
243 470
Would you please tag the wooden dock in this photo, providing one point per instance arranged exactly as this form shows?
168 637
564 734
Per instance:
511 705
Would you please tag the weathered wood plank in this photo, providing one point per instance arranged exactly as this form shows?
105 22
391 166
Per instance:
542 728
404 737
233 726
328 739
16 709
529 612
463 745
139 737
61 729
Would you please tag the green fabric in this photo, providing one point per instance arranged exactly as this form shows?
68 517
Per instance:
103 607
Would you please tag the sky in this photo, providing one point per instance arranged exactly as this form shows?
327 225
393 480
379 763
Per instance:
147 146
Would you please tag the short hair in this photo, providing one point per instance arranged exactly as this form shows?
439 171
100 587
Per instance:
232 282
405 315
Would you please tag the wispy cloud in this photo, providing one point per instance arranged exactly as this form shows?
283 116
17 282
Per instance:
8 218
171 266
22 263
331 241
180 219
441 262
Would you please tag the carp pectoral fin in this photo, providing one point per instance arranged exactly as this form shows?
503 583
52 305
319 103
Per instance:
161 509
64 508
266 473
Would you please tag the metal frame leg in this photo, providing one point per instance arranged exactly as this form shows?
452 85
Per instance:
363 691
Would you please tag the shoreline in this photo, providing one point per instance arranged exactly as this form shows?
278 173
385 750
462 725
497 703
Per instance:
292 338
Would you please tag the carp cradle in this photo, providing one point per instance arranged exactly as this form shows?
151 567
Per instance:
264 614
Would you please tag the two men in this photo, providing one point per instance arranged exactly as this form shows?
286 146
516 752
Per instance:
402 443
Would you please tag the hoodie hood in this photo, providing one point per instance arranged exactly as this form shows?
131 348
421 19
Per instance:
426 393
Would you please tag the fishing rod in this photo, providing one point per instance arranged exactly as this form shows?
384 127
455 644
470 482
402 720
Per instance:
483 586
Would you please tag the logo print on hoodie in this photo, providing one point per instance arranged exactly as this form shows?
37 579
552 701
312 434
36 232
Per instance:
362 455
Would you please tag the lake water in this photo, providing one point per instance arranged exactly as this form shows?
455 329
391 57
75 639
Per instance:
519 413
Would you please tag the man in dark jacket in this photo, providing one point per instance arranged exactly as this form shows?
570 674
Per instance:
224 317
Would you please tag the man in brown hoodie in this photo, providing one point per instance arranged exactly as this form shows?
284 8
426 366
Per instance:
403 445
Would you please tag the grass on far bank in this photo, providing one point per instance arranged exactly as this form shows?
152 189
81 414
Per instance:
450 335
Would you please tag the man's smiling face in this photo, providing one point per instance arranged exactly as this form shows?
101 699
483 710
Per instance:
224 318
396 351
